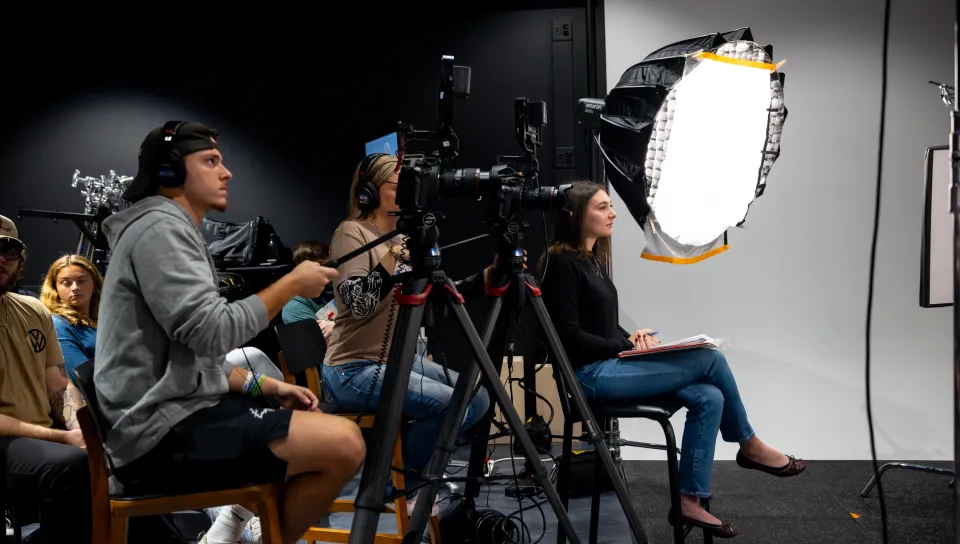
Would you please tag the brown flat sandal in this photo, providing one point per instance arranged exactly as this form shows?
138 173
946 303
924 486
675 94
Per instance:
793 467
724 530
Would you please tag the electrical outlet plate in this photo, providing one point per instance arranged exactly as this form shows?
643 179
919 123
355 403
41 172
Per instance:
562 30
563 158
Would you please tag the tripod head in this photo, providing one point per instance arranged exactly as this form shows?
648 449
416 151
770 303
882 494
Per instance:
422 231
503 214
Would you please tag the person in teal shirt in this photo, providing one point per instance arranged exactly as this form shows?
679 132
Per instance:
300 308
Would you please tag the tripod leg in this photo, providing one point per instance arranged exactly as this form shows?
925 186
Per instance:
516 424
376 466
589 421
494 337
446 442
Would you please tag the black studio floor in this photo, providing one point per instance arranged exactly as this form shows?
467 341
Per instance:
820 506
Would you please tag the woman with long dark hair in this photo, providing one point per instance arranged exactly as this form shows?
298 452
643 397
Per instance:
583 305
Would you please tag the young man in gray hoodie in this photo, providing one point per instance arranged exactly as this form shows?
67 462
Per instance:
178 423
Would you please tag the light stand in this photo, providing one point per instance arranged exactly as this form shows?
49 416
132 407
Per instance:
955 209
947 94
103 197
92 243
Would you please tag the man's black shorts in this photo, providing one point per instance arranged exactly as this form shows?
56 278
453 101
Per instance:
220 447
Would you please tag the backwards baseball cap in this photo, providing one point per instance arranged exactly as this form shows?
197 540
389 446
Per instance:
190 138
8 231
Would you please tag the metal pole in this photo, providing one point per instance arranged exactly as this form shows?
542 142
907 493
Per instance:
955 209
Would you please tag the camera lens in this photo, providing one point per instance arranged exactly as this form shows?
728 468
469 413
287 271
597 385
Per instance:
468 183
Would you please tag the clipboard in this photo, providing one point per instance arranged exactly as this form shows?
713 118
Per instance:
693 342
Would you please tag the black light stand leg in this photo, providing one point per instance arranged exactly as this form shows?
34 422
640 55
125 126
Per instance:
904 466
501 397
595 436
446 442
376 467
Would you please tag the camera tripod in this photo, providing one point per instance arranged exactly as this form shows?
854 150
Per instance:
509 289
427 280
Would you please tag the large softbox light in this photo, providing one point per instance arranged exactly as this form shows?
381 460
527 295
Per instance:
689 136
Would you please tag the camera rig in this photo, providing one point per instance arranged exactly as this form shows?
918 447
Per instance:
424 156
512 185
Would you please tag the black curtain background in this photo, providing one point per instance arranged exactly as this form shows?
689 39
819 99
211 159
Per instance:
295 95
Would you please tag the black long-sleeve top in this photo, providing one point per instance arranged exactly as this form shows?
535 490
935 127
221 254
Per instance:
582 302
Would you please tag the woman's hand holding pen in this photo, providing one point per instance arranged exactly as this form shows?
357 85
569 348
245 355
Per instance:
644 339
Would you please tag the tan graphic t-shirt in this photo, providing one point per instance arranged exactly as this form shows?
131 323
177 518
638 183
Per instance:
28 347
366 308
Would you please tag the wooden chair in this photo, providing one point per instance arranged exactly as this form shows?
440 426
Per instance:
112 512
302 349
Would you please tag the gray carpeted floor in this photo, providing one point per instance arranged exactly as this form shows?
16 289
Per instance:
820 506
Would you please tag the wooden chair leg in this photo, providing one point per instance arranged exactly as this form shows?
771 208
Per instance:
118 530
101 522
269 521
400 504
434 530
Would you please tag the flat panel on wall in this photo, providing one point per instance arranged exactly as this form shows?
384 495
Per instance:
936 255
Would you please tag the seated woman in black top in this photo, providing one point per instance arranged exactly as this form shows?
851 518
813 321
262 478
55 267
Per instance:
582 302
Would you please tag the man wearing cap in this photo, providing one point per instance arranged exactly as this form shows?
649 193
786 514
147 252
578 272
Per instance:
46 471
178 422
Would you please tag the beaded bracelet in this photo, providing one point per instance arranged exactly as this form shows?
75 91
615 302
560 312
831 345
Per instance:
258 386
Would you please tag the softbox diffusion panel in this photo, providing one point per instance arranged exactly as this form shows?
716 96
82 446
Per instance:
692 171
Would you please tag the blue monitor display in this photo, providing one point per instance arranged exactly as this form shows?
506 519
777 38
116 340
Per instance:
385 144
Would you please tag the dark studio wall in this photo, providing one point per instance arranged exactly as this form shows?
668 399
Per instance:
293 126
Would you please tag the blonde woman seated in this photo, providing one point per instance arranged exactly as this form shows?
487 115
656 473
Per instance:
71 291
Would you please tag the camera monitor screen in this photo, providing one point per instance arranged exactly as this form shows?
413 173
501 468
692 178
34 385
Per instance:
385 144
936 254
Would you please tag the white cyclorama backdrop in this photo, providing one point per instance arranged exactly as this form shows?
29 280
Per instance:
791 293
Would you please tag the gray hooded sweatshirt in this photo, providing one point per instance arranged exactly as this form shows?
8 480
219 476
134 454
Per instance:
163 330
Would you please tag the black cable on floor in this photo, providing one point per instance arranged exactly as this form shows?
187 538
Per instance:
873 263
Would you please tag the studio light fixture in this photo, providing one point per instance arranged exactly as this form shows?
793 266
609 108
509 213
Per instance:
689 136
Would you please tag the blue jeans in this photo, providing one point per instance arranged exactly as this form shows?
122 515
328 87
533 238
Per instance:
701 380
428 394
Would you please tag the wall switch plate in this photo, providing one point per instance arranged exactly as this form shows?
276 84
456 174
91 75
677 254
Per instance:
564 157
562 30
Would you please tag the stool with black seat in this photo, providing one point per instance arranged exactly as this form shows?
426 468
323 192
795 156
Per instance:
302 348
111 512
660 409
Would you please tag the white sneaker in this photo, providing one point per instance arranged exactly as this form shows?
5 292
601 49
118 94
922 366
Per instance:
203 539
252 533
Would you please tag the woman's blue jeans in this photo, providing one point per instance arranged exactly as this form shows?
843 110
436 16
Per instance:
701 379
428 394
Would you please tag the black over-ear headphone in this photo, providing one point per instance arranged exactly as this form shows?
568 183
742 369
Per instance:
368 194
170 171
